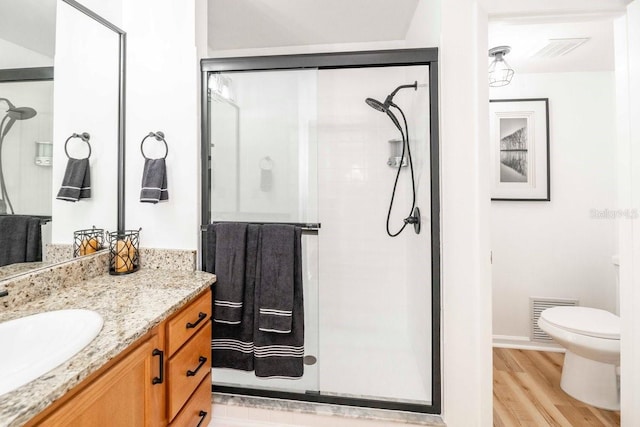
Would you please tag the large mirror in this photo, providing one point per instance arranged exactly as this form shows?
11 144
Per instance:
60 74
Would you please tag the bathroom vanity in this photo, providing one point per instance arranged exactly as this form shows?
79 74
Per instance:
150 363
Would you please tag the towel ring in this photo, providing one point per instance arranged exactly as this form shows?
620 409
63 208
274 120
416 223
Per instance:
83 136
159 136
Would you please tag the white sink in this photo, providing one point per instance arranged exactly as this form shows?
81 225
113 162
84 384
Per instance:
33 345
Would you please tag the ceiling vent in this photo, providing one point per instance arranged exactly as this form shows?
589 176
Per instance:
558 47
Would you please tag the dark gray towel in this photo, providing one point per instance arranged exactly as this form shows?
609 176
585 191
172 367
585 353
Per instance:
276 278
210 249
154 181
279 354
76 183
229 267
20 239
232 345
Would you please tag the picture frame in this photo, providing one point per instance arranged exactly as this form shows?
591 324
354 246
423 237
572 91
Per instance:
520 160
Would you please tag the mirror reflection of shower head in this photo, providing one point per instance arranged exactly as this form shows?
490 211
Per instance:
12 115
11 106
21 113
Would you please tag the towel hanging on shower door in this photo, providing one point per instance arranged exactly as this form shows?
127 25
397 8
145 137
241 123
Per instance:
279 316
232 343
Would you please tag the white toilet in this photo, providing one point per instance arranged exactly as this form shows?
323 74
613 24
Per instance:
591 338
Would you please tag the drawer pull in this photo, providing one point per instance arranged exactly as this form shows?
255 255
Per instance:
202 361
160 379
201 317
202 415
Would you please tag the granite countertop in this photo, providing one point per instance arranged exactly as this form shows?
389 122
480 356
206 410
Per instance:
131 305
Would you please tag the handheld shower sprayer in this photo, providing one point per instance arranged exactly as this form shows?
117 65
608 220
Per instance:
12 114
414 213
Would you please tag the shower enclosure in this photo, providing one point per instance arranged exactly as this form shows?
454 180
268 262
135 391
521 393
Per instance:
289 139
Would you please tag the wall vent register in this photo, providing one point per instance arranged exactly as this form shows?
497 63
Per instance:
538 305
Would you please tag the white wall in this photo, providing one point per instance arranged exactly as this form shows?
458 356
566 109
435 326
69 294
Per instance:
559 249
372 287
466 287
423 31
163 94
111 10
85 100
14 56
627 39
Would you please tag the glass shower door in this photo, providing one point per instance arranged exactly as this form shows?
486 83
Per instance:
264 169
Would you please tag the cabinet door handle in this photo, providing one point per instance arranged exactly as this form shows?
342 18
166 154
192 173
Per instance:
202 415
202 361
160 379
201 317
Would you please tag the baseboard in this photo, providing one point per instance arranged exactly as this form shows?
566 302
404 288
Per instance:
524 343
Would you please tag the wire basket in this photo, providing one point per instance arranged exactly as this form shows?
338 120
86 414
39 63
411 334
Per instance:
87 241
124 251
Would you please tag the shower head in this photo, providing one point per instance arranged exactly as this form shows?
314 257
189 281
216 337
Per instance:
383 108
375 104
21 113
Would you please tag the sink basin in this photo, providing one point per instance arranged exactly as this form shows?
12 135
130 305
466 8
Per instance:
33 345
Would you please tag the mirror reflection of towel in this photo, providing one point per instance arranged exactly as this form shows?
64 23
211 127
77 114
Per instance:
20 239
76 183
266 180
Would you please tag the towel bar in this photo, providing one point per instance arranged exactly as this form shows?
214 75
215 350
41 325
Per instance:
311 228
43 218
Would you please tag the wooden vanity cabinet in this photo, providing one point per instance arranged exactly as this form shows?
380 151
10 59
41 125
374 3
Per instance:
189 364
135 389
119 394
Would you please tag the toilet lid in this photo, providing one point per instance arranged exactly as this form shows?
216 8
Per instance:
588 321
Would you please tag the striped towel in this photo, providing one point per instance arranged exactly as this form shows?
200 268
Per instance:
154 181
76 183
230 250
232 344
279 322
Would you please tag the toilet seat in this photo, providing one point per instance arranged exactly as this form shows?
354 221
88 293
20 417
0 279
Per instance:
587 321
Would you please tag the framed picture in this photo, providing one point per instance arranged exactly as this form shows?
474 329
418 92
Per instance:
519 130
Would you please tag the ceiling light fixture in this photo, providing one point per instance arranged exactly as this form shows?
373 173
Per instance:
500 73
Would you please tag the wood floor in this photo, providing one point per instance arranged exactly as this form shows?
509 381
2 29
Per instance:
526 392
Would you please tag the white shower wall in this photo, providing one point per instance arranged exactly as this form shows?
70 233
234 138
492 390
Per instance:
374 290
